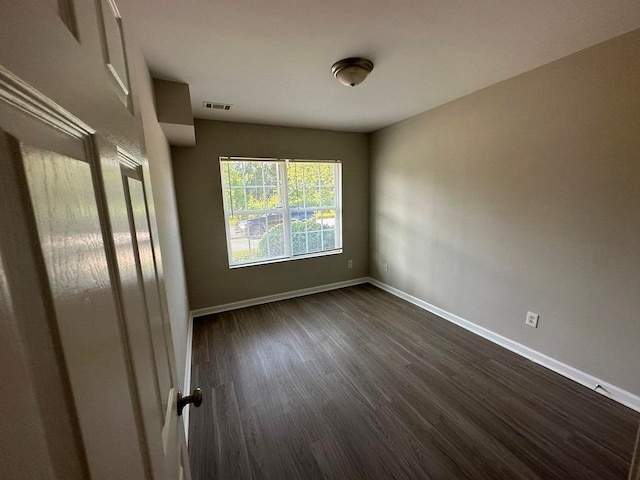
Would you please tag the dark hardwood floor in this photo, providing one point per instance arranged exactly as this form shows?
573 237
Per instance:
358 384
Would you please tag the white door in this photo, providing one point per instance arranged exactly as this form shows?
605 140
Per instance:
155 362
87 260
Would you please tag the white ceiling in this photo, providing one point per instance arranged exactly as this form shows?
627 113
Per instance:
272 59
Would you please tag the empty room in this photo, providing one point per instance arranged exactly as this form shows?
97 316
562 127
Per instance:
333 240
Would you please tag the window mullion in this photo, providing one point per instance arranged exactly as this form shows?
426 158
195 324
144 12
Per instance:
286 220
225 208
337 202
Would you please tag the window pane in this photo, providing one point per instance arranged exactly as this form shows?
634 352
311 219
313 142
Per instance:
327 218
327 197
255 237
251 185
299 243
311 196
311 236
298 215
295 184
326 172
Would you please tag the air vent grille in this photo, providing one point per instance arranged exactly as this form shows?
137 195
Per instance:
217 106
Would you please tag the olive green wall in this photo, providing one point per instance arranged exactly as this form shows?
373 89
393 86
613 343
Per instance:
199 198
525 196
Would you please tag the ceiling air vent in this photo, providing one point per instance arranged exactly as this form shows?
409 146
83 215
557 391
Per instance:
217 106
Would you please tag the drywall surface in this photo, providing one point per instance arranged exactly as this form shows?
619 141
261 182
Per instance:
164 215
197 175
172 102
525 197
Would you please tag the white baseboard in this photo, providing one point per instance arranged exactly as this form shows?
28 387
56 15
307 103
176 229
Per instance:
278 296
187 375
600 386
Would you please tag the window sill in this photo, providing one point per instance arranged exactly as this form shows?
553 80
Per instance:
287 259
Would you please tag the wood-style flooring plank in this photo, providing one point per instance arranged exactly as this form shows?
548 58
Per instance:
358 384
231 458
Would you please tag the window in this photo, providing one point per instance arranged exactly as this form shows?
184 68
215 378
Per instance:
278 209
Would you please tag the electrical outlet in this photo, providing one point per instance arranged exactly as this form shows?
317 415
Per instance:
532 319
350 264
385 266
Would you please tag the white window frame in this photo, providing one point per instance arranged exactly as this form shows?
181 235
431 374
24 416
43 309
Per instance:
285 211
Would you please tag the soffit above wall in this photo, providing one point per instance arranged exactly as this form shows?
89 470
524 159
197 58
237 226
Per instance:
173 108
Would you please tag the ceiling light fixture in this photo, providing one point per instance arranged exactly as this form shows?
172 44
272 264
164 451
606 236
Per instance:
352 71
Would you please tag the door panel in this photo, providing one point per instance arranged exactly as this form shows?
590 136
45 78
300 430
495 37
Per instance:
160 344
142 242
157 364
70 233
28 350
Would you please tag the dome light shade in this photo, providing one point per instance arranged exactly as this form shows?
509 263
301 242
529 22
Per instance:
352 71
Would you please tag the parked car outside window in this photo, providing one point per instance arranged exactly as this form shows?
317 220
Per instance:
257 226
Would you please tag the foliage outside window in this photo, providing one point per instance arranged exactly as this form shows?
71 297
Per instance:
280 209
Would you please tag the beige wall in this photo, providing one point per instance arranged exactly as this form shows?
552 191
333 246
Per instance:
525 196
199 194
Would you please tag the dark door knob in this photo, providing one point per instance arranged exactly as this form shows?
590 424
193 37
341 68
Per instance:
195 398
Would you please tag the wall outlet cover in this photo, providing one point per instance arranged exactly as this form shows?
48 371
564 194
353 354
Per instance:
532 319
